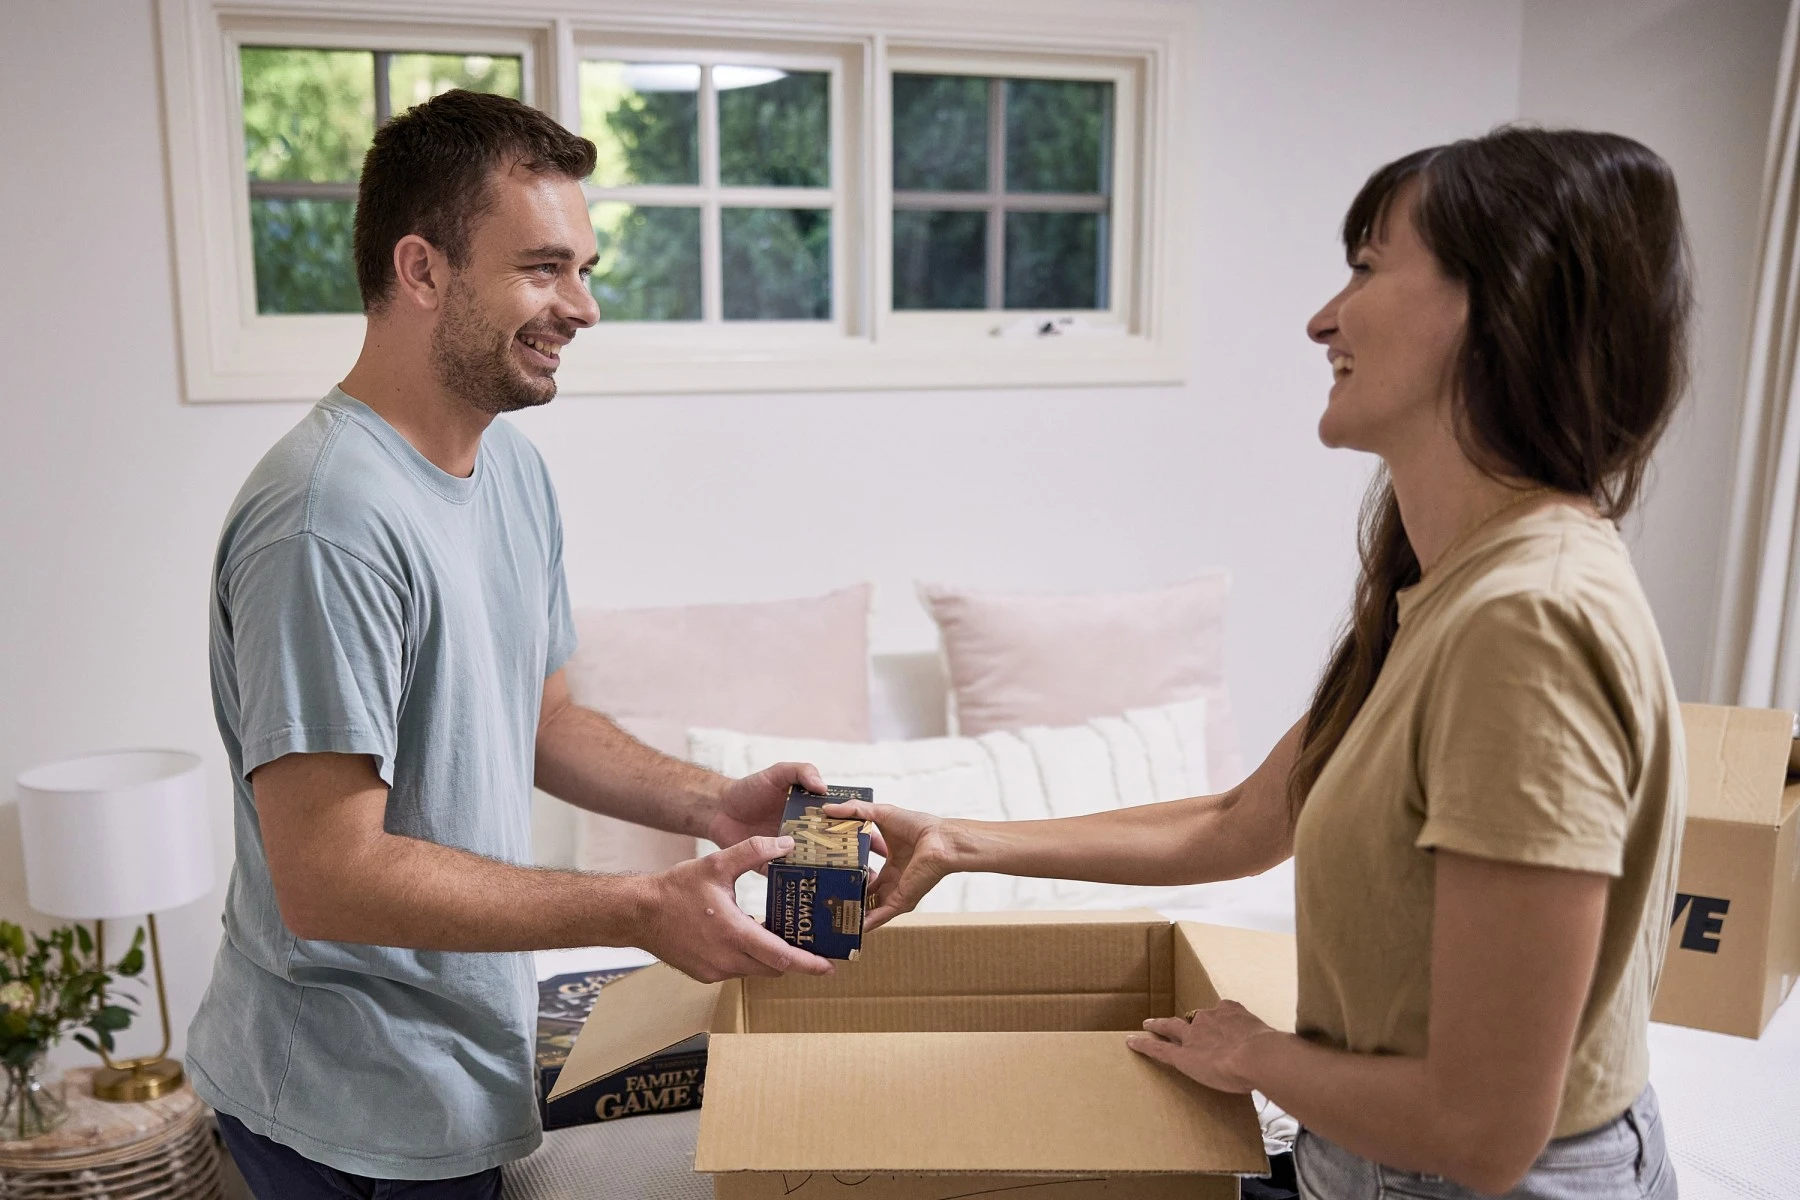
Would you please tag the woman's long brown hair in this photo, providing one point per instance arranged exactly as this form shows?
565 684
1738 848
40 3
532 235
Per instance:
1571 247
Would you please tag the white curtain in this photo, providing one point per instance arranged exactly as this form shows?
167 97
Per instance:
1756 656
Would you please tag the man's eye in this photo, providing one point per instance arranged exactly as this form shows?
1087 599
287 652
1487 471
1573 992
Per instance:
586 272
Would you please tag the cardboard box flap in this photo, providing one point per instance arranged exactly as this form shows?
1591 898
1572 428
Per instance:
1254 967
1737 762
955 1103
647 1011
1055 953
1027 917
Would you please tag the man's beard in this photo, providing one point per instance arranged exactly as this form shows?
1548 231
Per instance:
474 360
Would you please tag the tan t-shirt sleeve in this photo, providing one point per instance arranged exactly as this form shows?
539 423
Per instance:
1524 757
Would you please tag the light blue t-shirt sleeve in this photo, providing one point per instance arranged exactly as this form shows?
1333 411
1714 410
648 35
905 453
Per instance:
560 646
319 641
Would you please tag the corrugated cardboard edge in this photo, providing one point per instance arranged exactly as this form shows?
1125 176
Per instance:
637 1016
1737 762
1044 1103
1256 968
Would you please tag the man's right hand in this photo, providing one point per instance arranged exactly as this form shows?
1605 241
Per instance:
695 925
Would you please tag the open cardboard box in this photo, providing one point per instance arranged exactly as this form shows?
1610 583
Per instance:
1734 940
961 1055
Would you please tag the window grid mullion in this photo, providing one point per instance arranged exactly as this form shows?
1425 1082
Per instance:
384 101
300 189
712 262
996 197
1012 201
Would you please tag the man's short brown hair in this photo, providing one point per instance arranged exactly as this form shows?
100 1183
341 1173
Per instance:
428 173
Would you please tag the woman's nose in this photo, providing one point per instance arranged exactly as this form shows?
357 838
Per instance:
1323 323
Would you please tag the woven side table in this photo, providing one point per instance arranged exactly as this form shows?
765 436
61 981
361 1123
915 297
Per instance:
162 1149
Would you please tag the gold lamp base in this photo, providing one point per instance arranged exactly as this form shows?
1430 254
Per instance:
145 1079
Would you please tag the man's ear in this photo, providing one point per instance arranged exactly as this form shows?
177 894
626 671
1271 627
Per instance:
420 273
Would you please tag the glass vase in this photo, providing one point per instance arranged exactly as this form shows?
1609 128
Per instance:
31 1104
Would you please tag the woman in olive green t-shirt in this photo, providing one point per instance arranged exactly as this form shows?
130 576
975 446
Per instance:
1484 801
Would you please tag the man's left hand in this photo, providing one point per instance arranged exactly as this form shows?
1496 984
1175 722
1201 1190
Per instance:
1209 1048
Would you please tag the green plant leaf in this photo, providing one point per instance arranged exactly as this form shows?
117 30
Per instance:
84 939
132 963
113 1016
83 1040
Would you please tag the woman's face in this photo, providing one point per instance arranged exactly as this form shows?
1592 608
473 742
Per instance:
1392 336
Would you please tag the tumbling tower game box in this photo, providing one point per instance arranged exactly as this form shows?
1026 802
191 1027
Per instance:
816 892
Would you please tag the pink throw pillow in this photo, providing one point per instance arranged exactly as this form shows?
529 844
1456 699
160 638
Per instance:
1017 661
787 668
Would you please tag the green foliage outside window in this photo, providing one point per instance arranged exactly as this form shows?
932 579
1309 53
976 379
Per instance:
1056 135
642 134
416 78
1057 140
649 268
1053 260
303 258
776 134
309 117
777 264
308 114
940 133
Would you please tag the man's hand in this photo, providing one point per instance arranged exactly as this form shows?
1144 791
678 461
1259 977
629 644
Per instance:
751 806
920 855
1206 1048
693 922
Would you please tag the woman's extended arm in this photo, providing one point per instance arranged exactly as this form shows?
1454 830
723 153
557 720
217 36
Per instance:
1239 832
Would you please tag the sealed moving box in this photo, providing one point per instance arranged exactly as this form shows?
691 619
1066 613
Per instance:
1734 937
976 1052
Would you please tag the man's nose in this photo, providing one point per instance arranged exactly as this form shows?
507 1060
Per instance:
579 304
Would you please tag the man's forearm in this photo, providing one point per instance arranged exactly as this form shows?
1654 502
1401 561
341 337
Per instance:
400 891
585 759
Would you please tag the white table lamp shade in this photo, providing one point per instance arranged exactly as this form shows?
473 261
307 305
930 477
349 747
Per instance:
116 835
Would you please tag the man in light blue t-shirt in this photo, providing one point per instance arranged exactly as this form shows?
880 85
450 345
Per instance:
389 626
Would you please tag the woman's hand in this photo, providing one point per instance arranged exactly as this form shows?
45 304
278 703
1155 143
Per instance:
1208 1048
918 851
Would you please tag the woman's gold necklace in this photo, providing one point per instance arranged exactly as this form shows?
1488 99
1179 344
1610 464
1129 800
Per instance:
1493 515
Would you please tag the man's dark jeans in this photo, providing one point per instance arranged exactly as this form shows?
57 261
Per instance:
278 1172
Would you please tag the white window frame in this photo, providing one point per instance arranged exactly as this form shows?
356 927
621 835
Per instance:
712 333
1123 304
1145 47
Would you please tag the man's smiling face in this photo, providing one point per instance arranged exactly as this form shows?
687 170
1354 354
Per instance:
521 297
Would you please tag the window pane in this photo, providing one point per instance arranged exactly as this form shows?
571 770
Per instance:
774 127
1058 136
416 78
644 121
309 115
649 267
940 259
302 255
777 264
940 133
1053 260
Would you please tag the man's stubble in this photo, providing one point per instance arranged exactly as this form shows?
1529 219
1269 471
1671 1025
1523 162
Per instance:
473 359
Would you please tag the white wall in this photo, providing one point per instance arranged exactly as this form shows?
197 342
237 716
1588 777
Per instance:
1695 81
112 490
